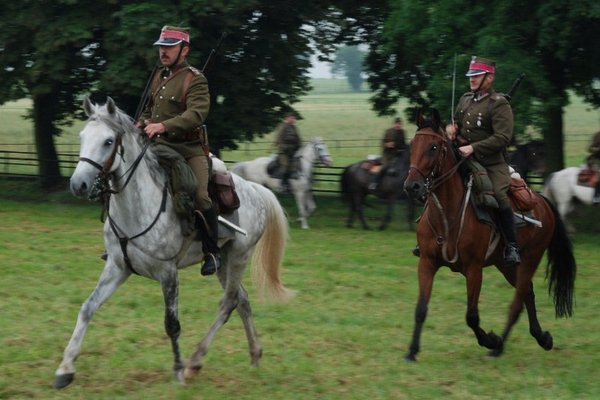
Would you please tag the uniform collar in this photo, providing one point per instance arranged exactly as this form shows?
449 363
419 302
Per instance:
477 96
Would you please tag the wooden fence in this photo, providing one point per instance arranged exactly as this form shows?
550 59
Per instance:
21 161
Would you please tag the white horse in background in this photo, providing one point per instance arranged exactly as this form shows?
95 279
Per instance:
143 235
562 189
314 152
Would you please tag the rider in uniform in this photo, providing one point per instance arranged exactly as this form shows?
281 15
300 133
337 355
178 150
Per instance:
174 116
484 129
393 144
287 143
594 163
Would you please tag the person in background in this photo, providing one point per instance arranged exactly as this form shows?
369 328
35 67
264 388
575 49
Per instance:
287 143
594 163
393 144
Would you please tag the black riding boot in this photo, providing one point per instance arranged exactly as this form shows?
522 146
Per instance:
509 232
596 198
285 182
208 226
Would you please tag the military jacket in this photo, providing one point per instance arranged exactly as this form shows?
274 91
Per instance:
487 123
181 113
288 140
398 137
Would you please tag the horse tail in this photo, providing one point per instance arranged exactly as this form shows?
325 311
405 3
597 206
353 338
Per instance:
561 268
268 254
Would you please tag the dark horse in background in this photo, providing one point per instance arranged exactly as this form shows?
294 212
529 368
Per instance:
355 182
529 158
451 234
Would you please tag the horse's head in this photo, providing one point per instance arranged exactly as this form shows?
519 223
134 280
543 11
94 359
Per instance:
100 141
536 157
428 151
322 152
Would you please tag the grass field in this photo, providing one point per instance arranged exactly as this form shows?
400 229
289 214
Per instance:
343 337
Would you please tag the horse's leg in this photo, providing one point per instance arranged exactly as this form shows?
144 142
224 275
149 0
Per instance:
226 306
300 197
110 279
426 274
387 218
245 313
311 205
474 277
170 288
359 202
544 338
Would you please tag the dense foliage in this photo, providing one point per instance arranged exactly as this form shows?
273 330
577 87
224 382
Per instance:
69 48
553 42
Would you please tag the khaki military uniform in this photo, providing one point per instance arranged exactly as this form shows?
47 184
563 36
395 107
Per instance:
287 143
398 137
486 122
183 112
594 150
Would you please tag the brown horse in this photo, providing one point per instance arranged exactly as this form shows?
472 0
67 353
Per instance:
450 234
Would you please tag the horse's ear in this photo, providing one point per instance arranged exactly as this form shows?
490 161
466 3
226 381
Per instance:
110 105
88 106
419 120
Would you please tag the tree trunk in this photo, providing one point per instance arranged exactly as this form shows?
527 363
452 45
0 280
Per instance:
44 130
554 139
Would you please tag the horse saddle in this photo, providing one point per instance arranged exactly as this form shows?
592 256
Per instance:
587 177
374 166
276 170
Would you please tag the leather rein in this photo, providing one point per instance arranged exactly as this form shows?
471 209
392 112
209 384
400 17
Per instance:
431 183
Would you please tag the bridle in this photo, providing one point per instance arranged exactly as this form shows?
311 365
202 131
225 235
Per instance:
433 181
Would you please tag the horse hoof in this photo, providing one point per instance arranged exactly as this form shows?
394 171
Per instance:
63 380
191 372
546 341
496 352
410 358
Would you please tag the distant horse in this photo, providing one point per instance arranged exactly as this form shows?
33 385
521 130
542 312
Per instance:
355 181
562 188
312 153
143 235
450 234
529 158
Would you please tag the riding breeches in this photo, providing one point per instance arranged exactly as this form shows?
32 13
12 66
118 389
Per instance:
500 181
201 169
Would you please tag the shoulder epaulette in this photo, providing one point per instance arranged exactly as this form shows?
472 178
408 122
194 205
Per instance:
498 96
194 70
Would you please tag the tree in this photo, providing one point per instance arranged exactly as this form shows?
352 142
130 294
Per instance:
349 62
48 53
66 49
554 43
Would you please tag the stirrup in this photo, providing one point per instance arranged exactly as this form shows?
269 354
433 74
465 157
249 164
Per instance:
416 251
212 263
511 255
